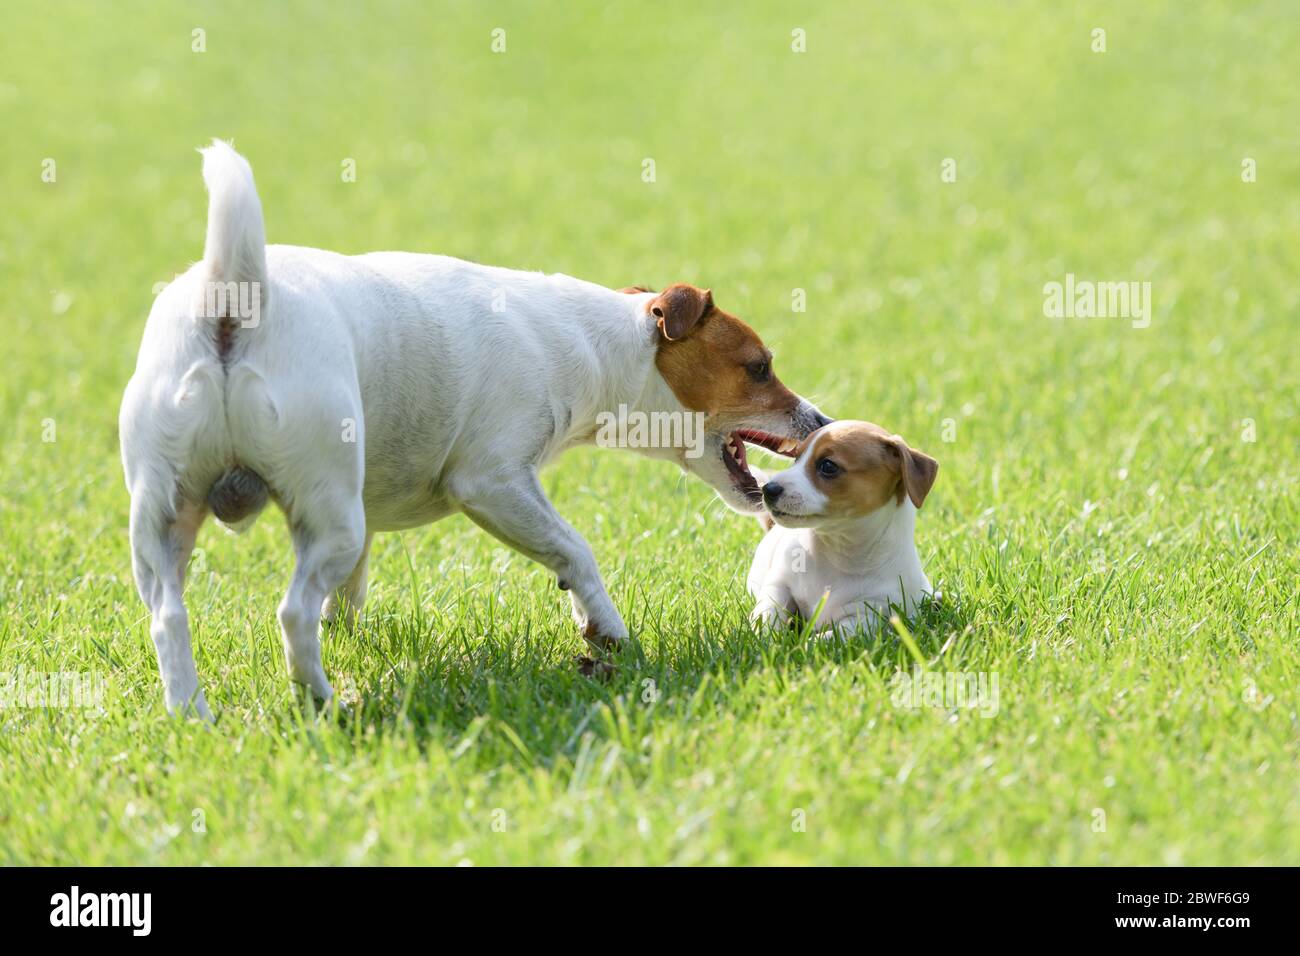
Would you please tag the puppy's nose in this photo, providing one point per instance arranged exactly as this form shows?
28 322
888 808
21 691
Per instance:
772 491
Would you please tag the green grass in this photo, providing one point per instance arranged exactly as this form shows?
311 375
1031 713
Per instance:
1110 545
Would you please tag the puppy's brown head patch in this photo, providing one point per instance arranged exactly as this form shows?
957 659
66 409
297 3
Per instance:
859 466
714 362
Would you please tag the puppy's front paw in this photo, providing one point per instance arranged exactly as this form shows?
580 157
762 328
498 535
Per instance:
770 615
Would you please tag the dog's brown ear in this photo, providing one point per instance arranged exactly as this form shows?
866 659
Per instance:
679 308
917 472
634 289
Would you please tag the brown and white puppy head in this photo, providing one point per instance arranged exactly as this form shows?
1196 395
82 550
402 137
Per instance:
717 365
848 470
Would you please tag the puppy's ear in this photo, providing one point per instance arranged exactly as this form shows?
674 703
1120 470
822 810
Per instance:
917 472
679 308
634 289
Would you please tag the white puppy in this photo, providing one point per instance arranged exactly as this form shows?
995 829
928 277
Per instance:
385 391
844 515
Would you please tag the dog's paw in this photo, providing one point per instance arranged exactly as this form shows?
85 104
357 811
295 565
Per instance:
603 639
315 705
770 616
594 668
338 614
195 708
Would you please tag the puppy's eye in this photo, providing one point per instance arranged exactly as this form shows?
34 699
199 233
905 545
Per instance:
760 371
827 468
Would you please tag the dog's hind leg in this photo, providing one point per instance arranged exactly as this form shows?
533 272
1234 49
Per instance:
162 539
329 540
344 603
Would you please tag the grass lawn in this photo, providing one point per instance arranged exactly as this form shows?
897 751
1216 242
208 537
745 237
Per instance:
1114 525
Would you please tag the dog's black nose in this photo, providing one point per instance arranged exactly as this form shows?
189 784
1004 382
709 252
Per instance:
772 491
822 420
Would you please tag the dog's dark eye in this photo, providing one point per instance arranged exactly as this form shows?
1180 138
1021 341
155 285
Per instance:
760 371
827 468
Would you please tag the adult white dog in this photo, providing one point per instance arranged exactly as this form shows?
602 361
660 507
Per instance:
385 391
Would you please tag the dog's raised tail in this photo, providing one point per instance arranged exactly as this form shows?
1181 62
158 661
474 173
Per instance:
235 250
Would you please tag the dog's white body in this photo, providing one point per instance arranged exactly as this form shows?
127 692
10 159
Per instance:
861 565
376 392
405 354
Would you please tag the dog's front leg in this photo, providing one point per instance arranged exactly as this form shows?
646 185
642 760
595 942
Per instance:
859 618
775 607
512 506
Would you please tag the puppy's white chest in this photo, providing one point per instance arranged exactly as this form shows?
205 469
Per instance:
788 567
796 572
813 581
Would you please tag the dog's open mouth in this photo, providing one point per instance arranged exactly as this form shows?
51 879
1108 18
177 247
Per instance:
733 456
